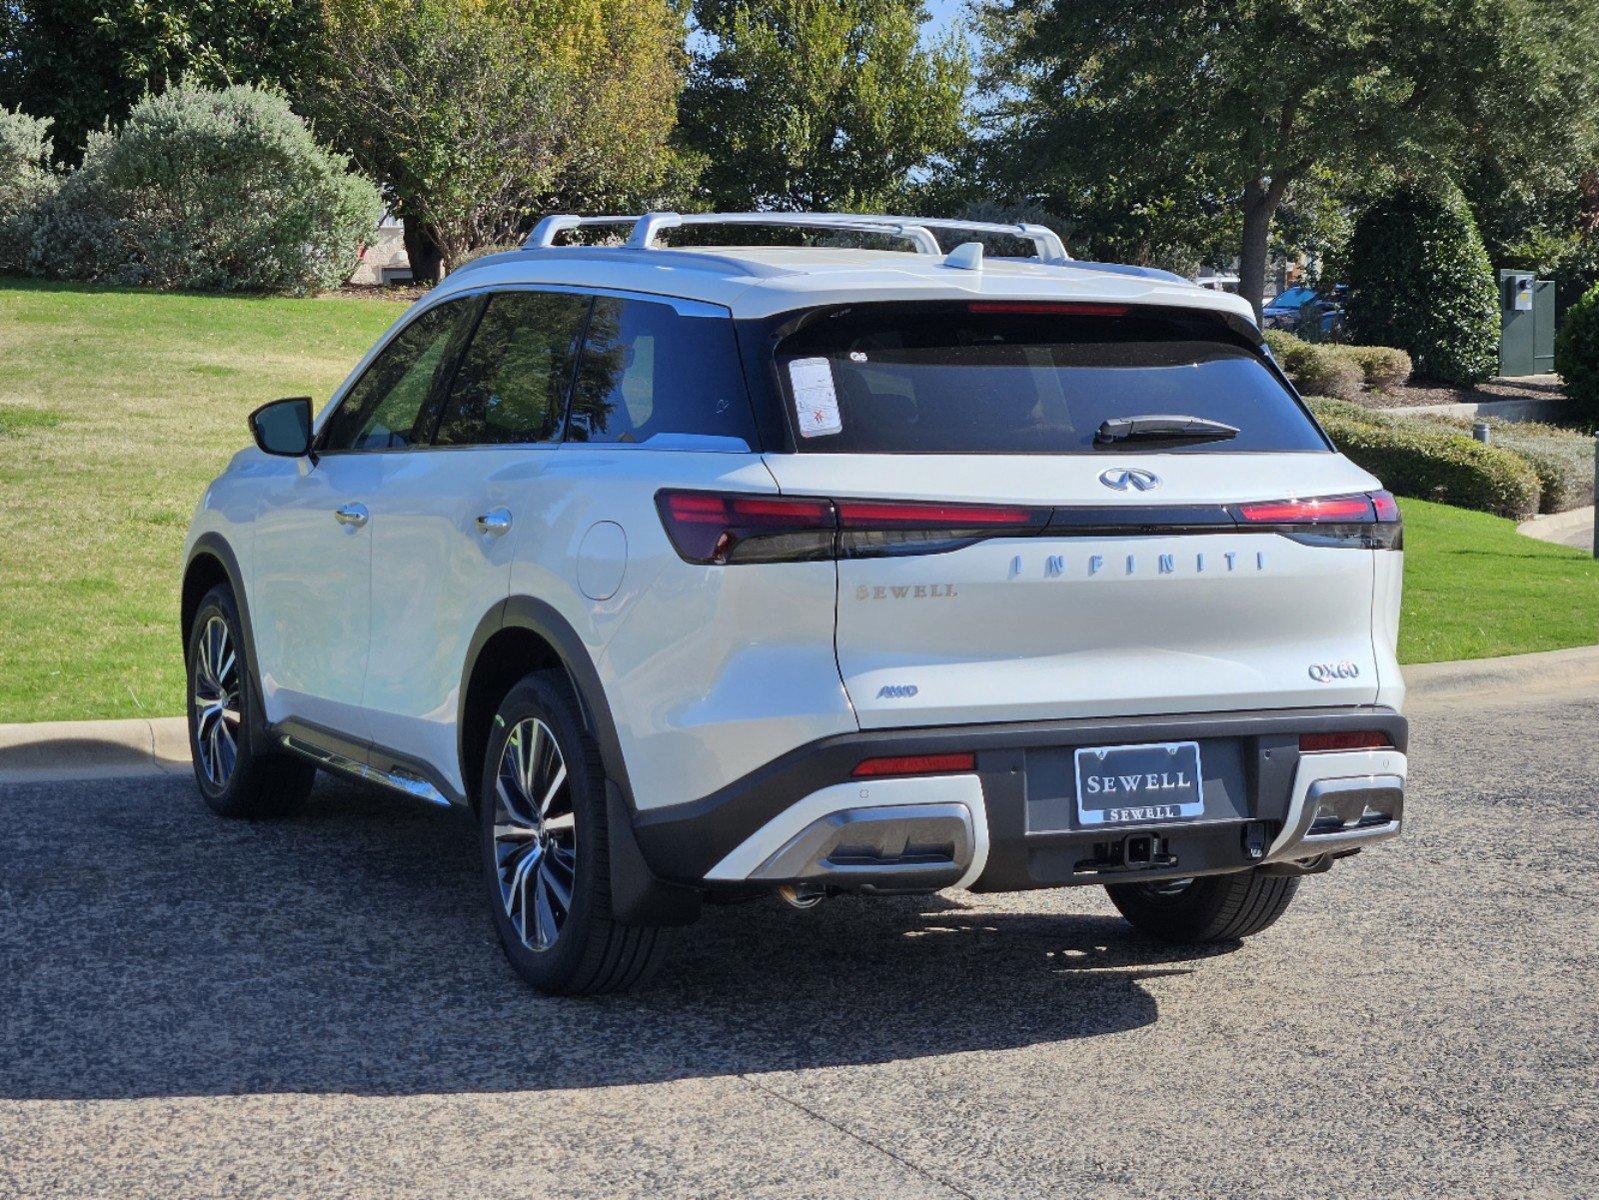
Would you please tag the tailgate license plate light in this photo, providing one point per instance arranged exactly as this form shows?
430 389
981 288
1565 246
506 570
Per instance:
1138 785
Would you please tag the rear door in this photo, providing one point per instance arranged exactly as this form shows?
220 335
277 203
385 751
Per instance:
1089 576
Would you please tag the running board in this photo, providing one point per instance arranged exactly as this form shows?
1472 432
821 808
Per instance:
398 780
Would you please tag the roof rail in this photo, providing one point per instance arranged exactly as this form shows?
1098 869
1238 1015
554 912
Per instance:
917 230
546 231
652 224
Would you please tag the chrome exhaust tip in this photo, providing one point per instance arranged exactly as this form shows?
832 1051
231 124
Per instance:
800 895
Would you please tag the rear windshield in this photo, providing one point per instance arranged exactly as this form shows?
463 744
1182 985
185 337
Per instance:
999 378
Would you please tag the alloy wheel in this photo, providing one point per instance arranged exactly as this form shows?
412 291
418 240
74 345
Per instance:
215 697
535 834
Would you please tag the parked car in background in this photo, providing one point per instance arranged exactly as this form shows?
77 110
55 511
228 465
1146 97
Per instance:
1304 310
738 570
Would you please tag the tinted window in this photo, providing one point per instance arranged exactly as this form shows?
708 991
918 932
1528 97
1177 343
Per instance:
513 380
650 375
387 408
952 379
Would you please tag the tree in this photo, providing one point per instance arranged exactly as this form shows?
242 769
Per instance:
475 115
1419 279
86 63
820 104
1237 101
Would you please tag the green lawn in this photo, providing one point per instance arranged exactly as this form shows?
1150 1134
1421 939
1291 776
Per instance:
116 407
1475 588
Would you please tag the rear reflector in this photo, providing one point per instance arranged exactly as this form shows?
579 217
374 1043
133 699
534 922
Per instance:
1037 308
1311 743
915 764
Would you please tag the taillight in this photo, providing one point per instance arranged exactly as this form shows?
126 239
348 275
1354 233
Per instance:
915 764
724 528
873 528
708 527
1370 520
1365 739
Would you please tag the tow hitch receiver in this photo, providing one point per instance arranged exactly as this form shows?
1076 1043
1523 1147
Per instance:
1135 852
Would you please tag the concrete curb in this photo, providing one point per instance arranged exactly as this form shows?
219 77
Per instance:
50 751
1549 670
58 751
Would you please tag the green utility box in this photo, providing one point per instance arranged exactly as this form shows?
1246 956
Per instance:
1526 324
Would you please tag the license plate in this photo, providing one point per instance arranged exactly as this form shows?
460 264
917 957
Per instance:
1139 785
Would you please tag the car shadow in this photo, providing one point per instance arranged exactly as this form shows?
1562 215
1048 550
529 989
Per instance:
148 948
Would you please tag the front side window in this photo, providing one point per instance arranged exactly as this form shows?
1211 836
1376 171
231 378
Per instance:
652 374
388 408
513 380
1025 378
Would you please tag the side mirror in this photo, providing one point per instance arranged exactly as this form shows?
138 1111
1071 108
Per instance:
283 427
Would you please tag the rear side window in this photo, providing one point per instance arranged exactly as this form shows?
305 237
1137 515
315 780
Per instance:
1003 378
652 374
512 384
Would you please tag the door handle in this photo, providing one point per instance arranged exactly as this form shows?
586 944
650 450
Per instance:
351 514
496 521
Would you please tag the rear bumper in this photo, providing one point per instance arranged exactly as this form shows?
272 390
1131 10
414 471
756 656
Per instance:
802 817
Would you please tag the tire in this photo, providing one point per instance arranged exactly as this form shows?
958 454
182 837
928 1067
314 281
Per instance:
237 775
1211 908
544 834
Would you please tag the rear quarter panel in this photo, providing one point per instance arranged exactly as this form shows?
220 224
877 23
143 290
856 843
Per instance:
709 672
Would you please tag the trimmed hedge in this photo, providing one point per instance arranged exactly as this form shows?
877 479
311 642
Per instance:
1419 279
1577 357
1333 369
1382 367
1562 458
1415 459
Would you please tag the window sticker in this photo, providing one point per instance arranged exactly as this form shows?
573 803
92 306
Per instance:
815 398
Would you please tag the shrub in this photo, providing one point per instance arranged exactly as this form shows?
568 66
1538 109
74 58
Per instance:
1420 280
1382 367
1562 458
216 190
1323 371
1577 357
1316 370
26 182
1332 369
1415 459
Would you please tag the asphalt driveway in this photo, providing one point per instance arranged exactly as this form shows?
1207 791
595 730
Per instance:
190 1007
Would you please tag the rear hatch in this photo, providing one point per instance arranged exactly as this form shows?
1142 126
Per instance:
1011 548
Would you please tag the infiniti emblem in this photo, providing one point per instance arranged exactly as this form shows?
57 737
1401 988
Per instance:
1122 478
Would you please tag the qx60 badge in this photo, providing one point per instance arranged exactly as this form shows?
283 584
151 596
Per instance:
1136 478
1328 672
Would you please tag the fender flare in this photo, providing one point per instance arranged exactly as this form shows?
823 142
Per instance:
214 545
639 896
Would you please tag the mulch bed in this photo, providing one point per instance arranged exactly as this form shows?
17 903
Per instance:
1533 387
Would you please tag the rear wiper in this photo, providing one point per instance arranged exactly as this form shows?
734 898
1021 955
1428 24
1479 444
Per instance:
1160 427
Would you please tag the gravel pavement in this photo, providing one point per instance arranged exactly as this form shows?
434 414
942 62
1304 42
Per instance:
192 1007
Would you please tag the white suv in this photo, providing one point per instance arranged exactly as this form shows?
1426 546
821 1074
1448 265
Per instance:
720 571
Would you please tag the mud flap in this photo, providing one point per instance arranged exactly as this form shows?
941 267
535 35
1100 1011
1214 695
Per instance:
638 896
